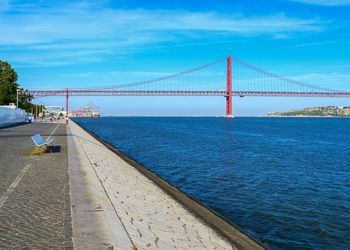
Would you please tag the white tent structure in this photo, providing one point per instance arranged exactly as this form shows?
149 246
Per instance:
11 115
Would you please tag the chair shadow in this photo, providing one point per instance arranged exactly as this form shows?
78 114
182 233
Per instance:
54 149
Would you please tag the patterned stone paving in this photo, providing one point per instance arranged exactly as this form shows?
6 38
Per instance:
36 214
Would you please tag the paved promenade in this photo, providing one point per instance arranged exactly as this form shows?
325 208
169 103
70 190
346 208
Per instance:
34 191
86 196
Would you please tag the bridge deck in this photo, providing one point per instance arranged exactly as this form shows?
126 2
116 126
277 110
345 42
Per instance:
183 93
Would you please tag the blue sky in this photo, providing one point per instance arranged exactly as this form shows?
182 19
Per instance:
59 44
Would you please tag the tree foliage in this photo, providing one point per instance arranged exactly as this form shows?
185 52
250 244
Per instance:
8 83
9 86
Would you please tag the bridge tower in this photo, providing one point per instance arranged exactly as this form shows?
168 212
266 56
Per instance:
229 113
67 102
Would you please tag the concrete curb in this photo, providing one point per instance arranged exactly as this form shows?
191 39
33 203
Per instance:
94 221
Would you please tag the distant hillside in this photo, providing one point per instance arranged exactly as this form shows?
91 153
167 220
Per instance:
316 111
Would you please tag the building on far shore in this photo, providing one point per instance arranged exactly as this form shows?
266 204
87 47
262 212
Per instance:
55 111
345 111
87 111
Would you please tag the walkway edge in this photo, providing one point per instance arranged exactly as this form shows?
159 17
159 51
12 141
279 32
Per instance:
225 228
94 221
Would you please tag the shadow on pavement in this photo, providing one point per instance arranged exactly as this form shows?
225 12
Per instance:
13 125
54 149
29 135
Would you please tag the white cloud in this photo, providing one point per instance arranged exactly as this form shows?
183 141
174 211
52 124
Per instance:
311 44
77 24
89 28
325 2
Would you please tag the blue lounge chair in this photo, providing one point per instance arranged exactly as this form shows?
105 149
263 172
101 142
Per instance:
39 141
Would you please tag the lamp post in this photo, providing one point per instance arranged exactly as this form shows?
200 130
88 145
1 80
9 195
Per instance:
17 98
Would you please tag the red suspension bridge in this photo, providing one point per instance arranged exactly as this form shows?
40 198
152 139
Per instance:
226 77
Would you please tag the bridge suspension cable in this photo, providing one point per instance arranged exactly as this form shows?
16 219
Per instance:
250 78
184 80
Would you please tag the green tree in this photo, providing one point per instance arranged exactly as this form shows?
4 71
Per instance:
25 100
8 84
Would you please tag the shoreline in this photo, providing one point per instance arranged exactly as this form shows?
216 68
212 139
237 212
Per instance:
233 234
257 116
306 116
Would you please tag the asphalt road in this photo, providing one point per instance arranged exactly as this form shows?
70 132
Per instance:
34 191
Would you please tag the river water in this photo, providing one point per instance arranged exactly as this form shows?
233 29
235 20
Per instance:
284 181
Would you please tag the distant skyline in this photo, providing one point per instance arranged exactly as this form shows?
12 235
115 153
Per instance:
59 44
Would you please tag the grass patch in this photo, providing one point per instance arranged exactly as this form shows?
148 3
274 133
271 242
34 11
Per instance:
38 151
